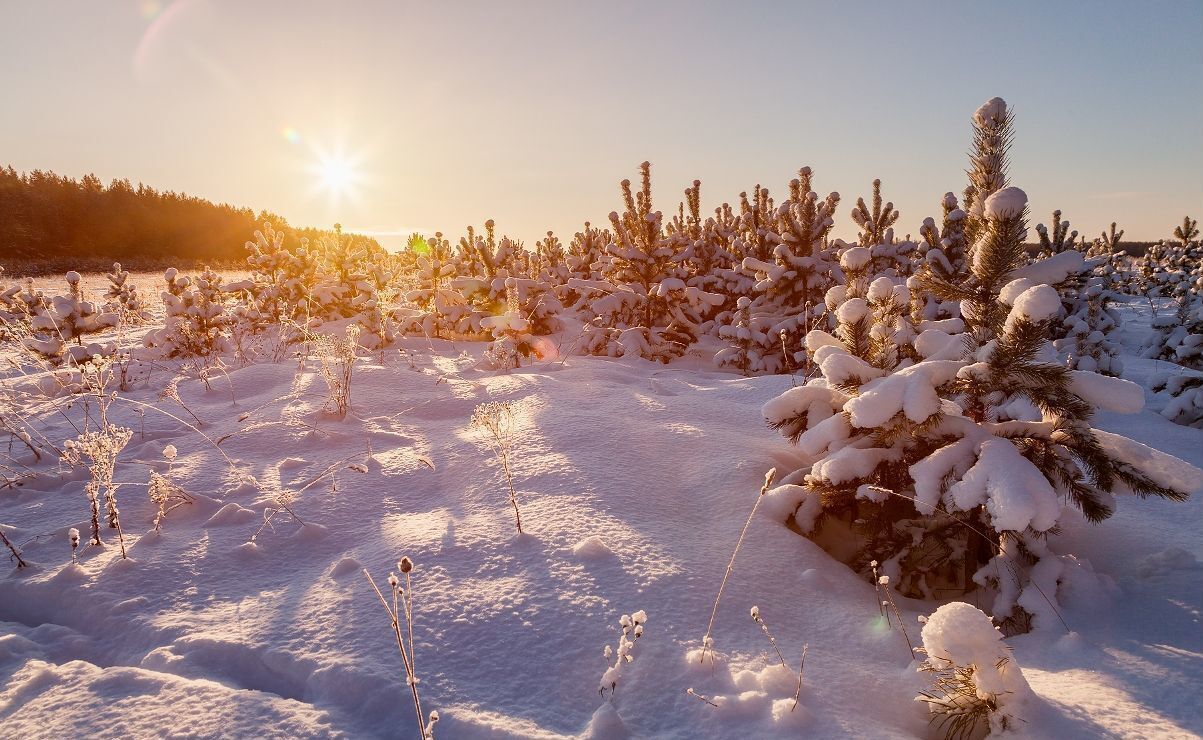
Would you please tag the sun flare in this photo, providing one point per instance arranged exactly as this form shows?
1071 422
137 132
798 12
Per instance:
337 174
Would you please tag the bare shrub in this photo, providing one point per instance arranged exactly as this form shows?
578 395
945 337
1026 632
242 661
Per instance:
496 420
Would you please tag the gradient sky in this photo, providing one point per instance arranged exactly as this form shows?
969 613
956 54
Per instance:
531 112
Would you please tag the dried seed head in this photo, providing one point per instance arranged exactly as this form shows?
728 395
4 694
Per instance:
406 565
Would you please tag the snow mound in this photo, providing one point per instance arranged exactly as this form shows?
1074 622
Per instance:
592 548
231 513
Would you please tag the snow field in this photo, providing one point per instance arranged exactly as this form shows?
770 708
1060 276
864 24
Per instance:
634 481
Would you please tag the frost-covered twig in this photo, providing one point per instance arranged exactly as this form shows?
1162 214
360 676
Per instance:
337 357
98 451
165 494
496 419
882 584
402 607
172 391
708 641
11 548
764 627
632 630
699 697
801 667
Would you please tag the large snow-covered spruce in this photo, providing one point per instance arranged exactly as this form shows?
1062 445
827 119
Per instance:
952 468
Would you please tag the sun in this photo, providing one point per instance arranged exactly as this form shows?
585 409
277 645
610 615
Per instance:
337 174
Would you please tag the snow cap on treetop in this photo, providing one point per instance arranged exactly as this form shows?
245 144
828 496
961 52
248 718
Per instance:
1036 304
855 258
991 112
1006 203
881 288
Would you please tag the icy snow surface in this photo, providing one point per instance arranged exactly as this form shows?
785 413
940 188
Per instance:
634 482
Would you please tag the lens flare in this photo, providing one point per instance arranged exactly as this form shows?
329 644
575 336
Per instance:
150 9
291 135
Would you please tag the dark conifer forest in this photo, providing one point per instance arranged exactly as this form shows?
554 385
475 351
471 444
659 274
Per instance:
49 221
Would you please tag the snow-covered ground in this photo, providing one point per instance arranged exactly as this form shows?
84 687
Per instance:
634 481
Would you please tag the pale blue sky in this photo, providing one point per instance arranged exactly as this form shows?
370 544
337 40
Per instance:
530 112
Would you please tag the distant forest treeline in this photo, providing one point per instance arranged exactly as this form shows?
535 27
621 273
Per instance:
51 223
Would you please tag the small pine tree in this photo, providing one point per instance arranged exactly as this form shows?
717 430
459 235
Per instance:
787 266
67 319
988 162
642 305
196 323
1187 232
441 311
123 296
1061 238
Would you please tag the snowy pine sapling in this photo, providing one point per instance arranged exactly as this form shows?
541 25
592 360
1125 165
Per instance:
1188 231
988 162
496 420
1086 332
196 320
1178 337
440 309
512 338
951 469
642 306
976 684
1181 341
784 268
1186 398
123 296
66 319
